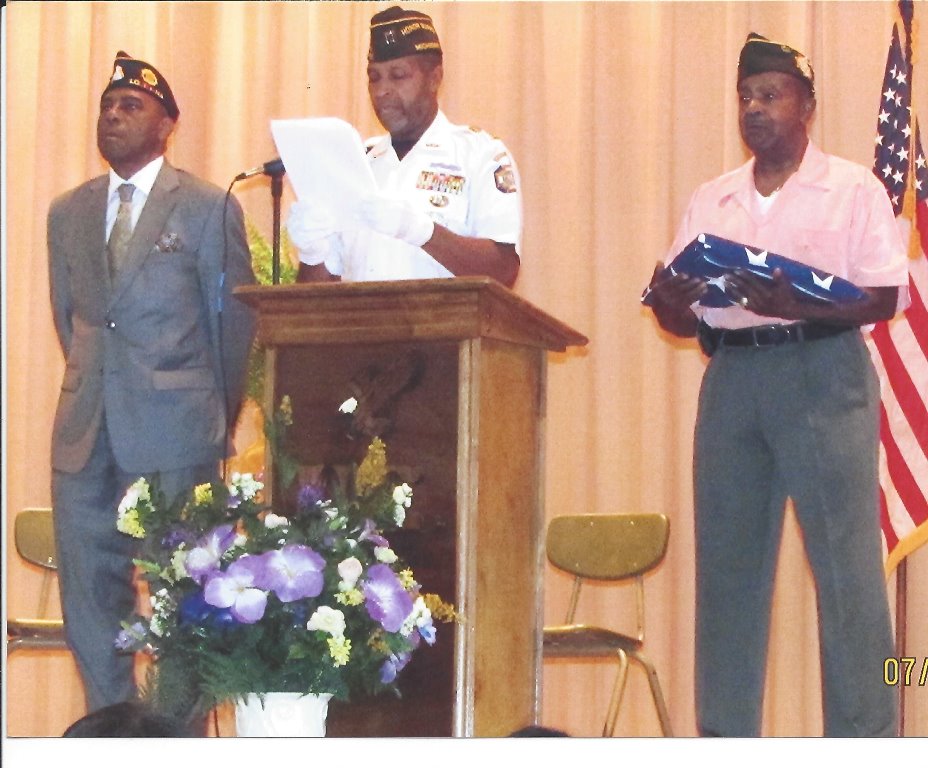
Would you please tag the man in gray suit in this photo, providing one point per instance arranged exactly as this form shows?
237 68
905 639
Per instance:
142 265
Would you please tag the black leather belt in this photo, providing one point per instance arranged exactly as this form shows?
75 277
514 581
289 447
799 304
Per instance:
710 339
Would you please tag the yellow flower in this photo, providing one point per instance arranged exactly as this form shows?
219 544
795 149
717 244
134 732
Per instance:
406 579
377 643
339 650
373 469
128 523
203 494
350 597
439 608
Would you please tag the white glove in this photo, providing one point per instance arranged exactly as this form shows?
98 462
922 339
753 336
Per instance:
312 231
396 218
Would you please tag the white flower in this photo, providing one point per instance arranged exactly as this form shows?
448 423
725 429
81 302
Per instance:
402 494
239 541
246 485
422 613
157 626
161 604
327 619
350 570
135 493
349 406
275 521
385 554
129 501
399 514
177 563
420 616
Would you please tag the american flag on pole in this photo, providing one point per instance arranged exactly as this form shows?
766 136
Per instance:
900 347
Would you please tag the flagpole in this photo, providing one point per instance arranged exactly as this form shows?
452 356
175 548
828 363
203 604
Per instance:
906 12
901 590
894 165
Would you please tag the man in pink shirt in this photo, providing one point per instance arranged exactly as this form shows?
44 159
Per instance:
788 407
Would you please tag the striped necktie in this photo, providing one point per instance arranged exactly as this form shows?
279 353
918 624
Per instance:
118 244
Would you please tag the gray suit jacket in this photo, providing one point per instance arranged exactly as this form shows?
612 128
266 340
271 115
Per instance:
150 350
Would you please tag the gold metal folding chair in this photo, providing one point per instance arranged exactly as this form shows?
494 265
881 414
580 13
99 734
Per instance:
34 536
607 548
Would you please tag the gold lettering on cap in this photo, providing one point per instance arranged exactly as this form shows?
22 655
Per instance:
416 26
146 87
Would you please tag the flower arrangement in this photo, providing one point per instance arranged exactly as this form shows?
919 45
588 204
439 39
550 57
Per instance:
306 597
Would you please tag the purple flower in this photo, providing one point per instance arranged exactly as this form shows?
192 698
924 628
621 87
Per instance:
386 600
195 610
176 536
203 559
309 496
293 572
393 666
370 534
427 633
236 589
130 637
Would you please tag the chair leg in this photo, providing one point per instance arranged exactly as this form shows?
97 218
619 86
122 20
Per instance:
612 714
656 693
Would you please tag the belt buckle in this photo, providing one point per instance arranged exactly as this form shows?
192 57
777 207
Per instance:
774 335
770 335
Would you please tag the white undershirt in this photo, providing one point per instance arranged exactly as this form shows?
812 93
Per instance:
764 203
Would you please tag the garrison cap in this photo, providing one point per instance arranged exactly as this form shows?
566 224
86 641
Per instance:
762 55
396 33
133 73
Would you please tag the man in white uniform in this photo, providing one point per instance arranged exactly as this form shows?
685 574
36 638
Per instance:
448 201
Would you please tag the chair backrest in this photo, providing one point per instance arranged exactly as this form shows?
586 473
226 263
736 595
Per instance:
607 547
34 534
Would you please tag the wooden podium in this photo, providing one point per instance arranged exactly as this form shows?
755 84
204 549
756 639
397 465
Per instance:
453 377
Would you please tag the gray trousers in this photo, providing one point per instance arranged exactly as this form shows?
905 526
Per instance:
95 567
794 421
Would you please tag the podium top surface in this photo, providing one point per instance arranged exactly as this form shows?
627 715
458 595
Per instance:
402 310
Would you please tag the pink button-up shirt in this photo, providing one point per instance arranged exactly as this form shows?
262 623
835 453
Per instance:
831 214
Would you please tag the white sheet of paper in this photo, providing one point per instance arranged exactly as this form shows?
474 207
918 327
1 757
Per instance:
325 162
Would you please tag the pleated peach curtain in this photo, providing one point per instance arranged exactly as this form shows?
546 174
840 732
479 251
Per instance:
614 111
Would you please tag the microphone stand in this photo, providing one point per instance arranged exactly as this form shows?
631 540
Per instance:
277 188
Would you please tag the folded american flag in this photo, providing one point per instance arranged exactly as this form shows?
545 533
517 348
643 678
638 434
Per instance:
713 258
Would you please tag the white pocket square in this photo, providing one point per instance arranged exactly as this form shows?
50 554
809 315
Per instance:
168 243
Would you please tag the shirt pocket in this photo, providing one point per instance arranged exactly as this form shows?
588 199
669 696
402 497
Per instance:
442 195
824 249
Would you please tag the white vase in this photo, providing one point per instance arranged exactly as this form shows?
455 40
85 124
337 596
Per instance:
282 714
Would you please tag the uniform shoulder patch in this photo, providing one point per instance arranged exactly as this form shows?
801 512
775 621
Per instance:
505 178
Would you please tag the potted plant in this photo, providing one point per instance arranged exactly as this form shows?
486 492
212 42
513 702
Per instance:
250 602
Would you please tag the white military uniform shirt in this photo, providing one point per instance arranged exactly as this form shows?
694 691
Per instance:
463 178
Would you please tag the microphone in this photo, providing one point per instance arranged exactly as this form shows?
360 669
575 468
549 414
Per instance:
273 167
